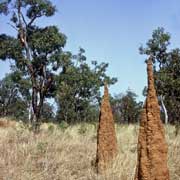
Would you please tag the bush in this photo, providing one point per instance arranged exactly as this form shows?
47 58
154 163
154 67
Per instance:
83 129
63 125
51 128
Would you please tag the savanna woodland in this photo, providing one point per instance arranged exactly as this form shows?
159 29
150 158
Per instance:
55 122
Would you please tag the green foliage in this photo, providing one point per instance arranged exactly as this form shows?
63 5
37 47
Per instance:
12 89
46 40
4 7
34 8
177 129
51 128
157 46
38 55
48 114
82 129
79 89
166 71
10 48
41 147
63 125
125 107
36 51
39 8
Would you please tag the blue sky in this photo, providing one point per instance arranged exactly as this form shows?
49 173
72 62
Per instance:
111 31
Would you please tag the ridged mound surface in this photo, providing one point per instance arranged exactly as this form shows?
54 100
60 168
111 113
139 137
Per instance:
106 136
152 147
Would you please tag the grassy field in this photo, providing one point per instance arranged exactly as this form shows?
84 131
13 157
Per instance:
60 153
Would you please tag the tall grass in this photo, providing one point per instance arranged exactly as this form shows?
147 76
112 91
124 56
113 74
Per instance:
69 154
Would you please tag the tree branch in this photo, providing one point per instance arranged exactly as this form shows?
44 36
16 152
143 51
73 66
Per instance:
23 18
14 27
32 20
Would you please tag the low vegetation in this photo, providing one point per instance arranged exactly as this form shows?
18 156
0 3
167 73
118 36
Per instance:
65 153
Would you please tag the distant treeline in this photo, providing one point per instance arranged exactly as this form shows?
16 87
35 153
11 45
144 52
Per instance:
42 71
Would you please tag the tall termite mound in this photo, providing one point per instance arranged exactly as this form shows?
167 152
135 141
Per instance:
106 135
152 148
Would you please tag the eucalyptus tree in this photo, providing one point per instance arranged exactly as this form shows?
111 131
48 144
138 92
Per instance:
14 96
36 50
166 71
126 108
79 83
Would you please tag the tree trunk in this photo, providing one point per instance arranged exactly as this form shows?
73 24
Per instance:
37 104
39 87
30 113
36 119
35 123
164 109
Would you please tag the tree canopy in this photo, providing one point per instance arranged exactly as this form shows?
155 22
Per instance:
46 69
166 71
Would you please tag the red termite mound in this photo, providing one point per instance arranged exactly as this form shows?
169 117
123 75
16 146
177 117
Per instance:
152 147
106 136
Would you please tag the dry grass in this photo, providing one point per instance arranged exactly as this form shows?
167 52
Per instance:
69 154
